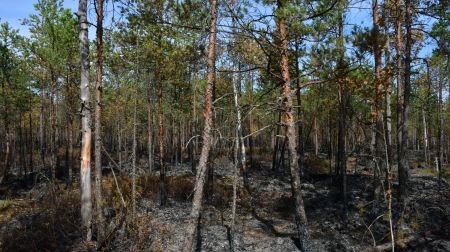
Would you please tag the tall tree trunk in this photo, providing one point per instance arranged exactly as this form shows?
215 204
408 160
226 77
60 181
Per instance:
53 133
440 127
150 126
23 165
425 135
207 133
403 97
119 140
133 172
193 120
70 158
158 75
41 128
276 147
341 155
388 95
31 146
86 135
236 82
98 125
376 120
162 169
6 162
288 121
235 181
251 124
299 108
316 135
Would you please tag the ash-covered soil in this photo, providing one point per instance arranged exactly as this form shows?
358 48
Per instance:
45 217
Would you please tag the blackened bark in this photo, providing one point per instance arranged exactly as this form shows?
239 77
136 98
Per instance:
288 121
98 124
341 155
207 134
403 89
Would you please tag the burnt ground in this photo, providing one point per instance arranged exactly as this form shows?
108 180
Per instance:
45 217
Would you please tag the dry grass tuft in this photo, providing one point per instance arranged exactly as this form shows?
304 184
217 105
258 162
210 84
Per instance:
50 225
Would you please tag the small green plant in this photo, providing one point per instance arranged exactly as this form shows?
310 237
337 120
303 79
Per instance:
5 204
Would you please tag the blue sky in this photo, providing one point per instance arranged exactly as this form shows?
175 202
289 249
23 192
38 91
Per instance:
14 12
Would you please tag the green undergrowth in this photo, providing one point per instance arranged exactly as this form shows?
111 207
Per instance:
432 171
5 204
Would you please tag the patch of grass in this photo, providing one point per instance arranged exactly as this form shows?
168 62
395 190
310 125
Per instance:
50 225
317 165
432 171
428 171
5 204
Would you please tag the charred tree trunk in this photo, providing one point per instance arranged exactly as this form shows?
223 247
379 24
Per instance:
288 122
42 145
98 125
193 120
236 82
376 120
207 133
301 150
388 95
403 97
86 135
251 126
341 151
31 147
440 128
159 79
53 148
150 127
162 169
277 143
133 168
7 153
70 143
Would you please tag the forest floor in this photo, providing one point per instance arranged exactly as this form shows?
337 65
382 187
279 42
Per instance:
45 217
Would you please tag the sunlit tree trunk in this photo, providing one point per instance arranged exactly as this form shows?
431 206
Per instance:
388 100
191 230
86 135
236 82
288 121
